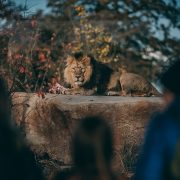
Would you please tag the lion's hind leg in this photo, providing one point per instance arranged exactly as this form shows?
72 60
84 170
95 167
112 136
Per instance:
113 88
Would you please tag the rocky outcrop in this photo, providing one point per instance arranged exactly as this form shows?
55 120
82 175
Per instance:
48 123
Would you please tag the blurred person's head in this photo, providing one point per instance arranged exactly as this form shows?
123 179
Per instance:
7 135
16 160
92 146
171 82
4 99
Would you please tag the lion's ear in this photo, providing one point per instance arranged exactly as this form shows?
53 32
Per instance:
69 60
86 60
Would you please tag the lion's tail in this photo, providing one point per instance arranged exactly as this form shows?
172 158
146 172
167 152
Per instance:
155 92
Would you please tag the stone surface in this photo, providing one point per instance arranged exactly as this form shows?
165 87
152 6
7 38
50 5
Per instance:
48 123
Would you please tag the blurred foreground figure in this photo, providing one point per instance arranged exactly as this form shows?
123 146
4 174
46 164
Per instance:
92 152
16 161
160 158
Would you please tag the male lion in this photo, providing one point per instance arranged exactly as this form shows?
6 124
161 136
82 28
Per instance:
86 76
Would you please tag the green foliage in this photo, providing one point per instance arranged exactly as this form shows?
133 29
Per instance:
91 39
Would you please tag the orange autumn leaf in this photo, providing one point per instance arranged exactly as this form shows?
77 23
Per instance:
33 23
22 69
17 56
42 57
41 94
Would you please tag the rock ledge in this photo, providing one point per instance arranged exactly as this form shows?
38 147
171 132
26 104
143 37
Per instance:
48 123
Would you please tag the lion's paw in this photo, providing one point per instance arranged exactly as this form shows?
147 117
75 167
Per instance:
112 93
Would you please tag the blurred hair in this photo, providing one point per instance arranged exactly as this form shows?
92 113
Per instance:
171 78
78 54
4 100
7 133
92 146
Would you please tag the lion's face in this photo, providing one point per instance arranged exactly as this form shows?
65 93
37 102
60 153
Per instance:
78 71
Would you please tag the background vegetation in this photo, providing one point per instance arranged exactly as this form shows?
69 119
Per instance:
142 34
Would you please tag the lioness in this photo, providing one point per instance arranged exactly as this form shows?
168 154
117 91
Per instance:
86 76
135 85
